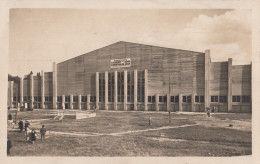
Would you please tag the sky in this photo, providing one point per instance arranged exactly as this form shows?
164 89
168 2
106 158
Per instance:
38 37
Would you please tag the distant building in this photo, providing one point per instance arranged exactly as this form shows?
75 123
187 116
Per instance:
130 76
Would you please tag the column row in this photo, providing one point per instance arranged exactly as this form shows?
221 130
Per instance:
125 84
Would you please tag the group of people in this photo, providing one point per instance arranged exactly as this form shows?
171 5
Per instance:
30 134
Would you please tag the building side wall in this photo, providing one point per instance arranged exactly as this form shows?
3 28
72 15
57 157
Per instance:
219 78
156 73
37 85
241 80
241 86
48 83
62 78
26 87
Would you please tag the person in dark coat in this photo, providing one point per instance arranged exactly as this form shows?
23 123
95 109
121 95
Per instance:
10 117
20 124
43 132
9 145
33 136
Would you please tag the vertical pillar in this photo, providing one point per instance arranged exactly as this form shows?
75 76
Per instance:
63 102
106 90
88 101
207 70
156 102
192 102
125 89
145 89
229 84
54 86
11 93
168 102
21 91
115 90
71 101
79 102
135 89
31 90
42 90
180 102
97 90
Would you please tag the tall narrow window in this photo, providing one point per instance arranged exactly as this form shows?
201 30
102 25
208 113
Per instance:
120 86
130 86
140 86
111 84
102 87
149 98
184 98
197 99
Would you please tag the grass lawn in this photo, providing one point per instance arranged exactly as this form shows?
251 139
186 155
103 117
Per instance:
189 134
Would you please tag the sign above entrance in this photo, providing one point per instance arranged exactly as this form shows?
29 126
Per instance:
117 63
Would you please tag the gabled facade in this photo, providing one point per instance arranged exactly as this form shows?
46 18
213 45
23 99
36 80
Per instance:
130 76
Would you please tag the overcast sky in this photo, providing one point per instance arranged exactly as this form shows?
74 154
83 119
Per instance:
39 37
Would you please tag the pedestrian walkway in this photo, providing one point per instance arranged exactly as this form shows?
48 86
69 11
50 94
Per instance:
119 133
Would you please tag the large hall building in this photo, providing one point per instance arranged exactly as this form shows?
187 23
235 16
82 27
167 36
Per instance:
130 76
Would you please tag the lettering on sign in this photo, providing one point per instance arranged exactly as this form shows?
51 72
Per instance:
116 63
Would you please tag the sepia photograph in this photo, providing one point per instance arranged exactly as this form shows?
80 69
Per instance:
129 82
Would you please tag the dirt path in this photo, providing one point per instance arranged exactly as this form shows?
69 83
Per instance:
116 134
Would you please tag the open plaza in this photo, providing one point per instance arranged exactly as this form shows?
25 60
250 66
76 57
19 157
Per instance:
133 133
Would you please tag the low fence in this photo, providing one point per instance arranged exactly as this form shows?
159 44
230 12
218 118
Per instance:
82 115
75 114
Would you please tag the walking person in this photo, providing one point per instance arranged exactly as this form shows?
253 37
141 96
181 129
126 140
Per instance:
208 112
26 129
20 124
28 133
43 132
33 136
150 121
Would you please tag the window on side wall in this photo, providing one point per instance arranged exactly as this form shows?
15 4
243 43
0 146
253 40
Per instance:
149 98
197 98
164 98
172 98
235 98
214 98
189 98
202 99
245 99
75 98
223 99
153 98
184 98
160 99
